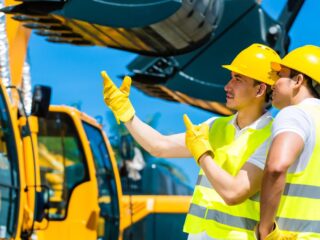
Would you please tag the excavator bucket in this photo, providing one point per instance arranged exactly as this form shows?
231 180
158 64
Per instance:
148 27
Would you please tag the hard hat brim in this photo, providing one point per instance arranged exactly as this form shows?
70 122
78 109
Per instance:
233 69
239 71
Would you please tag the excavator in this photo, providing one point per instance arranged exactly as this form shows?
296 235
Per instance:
59 178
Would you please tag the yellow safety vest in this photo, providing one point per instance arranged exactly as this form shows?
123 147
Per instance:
208 212
299 209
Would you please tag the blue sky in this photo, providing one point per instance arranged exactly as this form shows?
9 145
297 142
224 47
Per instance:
74 74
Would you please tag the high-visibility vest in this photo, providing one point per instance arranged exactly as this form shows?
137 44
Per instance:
208 211
299 209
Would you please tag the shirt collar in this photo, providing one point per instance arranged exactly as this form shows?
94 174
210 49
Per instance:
261 122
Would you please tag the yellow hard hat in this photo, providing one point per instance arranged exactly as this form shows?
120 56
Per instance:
255 62
304 59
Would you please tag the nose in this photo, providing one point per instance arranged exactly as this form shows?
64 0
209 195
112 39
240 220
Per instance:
228 85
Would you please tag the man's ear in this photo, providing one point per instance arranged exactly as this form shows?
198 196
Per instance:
299 79
262 88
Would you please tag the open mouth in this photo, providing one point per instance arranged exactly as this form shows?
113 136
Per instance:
229 96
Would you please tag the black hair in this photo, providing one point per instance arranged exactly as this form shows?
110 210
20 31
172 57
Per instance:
308 79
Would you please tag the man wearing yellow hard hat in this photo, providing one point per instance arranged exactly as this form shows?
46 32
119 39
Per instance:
231 150
291 182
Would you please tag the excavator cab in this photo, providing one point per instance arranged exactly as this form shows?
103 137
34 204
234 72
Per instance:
77 166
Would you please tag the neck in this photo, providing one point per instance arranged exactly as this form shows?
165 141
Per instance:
300 96
249 115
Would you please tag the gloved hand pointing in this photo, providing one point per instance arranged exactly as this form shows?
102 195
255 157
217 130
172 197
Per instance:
117 99
197 138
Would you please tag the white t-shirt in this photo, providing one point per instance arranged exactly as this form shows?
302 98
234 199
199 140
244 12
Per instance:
295 119
258 158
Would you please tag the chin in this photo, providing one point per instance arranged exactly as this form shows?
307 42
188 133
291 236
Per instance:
231 106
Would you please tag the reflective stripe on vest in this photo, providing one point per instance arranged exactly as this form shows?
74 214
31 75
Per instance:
300 202
208 208
224 218
198 211
302 190
234 221
299 225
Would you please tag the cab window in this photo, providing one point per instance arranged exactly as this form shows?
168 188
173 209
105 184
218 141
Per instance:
108 200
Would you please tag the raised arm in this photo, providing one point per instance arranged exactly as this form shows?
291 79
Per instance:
157 144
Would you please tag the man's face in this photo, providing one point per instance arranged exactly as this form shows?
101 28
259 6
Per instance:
282 89
240 91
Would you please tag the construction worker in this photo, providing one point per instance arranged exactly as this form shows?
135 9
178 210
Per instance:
291 182
239 144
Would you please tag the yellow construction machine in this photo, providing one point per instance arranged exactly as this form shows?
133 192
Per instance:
59 178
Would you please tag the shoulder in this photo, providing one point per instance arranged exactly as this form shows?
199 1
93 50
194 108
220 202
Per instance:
292 119
291 113
287 110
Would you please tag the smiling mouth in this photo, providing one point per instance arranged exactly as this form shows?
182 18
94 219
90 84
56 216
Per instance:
229 96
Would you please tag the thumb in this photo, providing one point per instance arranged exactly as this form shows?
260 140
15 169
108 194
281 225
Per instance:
107 82
187 122
126 85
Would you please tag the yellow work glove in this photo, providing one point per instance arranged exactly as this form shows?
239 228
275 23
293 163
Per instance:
197 138
117 99
277 234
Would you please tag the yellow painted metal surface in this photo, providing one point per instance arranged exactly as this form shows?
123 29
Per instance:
18 37
142 206
17 42
31 174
